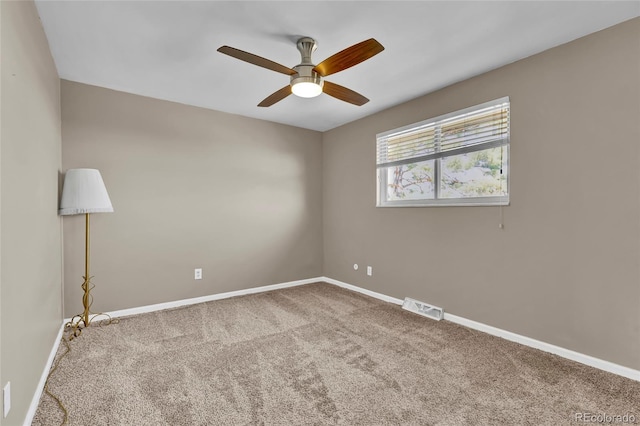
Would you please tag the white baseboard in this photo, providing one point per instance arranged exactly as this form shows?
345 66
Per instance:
202 299
547 347
363 291
33 407
523 340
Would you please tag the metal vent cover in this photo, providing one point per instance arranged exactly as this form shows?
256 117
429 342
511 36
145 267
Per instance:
423 309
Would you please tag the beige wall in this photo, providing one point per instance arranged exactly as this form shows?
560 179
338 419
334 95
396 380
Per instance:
565 269
30 259
240 198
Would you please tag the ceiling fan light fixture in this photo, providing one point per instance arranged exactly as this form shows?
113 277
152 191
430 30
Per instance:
306 89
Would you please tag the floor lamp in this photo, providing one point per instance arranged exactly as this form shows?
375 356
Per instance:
84 192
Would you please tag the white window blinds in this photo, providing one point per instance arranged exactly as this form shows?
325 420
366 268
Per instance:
474 129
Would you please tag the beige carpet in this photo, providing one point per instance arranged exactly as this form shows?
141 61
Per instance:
317 355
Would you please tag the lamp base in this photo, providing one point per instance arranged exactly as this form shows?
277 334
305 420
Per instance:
77 323
80 321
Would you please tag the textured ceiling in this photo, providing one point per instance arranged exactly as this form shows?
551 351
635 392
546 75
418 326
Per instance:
167 49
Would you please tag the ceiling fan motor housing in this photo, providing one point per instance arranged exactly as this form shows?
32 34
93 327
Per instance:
306 74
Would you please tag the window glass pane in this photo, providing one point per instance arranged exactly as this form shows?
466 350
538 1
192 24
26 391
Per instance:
410 181
476 174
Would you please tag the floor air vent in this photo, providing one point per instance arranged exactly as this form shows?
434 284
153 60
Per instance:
423 309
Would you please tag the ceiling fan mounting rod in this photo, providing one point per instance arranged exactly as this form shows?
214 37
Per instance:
306 46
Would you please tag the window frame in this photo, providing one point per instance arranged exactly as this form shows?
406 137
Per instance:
381 171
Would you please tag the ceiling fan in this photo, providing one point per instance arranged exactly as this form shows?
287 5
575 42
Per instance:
307 79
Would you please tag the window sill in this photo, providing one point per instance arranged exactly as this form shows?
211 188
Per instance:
448 204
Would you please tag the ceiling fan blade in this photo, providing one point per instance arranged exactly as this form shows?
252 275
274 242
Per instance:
276 96
344 94
349 57
255 60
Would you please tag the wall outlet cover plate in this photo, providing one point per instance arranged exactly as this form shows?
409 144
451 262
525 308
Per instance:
6 397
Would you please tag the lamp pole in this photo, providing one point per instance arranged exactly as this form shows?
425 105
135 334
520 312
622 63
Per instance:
86 286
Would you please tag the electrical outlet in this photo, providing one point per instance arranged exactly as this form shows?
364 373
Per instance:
6 397
369 270
197 275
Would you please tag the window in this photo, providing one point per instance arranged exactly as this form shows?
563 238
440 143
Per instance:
460 158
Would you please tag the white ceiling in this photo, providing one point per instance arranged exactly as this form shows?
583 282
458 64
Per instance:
167 49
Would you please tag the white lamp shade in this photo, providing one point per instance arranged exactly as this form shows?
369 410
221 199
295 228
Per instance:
84 192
